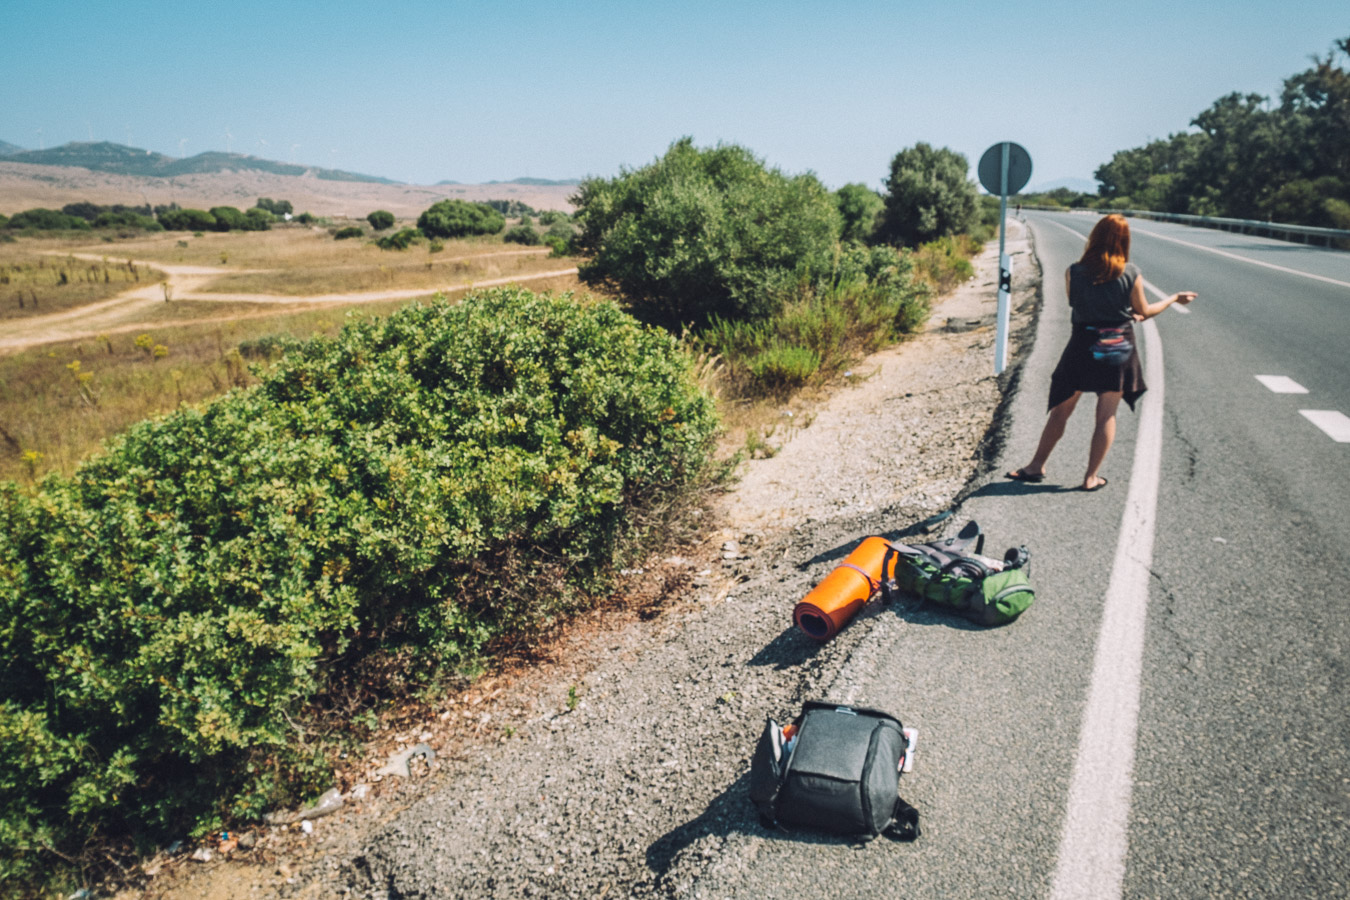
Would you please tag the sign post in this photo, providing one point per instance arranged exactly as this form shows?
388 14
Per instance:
1004 169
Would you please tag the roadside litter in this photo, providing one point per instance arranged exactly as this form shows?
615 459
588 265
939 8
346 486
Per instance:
327 804
985 590
398 762
836 768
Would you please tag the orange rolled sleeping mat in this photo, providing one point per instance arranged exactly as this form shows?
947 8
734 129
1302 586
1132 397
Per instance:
837 599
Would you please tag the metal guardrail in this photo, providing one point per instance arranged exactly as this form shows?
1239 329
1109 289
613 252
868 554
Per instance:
1246 226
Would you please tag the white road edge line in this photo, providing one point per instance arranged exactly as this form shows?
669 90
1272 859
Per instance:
1336 424
1093 845
1255 262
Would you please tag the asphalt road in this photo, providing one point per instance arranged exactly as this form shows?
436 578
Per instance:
1171 718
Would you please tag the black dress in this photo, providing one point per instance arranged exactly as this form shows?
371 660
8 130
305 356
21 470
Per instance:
1098 305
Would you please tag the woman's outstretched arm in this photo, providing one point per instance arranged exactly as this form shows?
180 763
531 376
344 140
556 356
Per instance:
1145 310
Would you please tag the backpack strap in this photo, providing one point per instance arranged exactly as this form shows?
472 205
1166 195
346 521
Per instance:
969 534
904 824
871 582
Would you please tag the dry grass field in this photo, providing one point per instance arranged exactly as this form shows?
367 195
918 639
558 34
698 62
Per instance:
104 350
41 277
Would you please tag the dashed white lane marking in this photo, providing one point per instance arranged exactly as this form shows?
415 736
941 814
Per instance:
1091 861
1255 262
1281 384
1336 424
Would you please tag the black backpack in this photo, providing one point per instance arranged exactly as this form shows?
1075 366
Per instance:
841 775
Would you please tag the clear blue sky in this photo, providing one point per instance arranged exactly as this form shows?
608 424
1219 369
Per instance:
425 91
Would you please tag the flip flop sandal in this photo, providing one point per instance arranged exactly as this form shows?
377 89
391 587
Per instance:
1019 475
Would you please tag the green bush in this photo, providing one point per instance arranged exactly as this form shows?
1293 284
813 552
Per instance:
703 233
870 299
415 487
458 218
126 219
195 220
930 196
46 220
860 208
228 218
552 217
278 208
399 240
523 234
783 367
381 219
258 219
945 263
187 220
351 231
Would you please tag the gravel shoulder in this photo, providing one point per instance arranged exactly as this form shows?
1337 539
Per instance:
618 766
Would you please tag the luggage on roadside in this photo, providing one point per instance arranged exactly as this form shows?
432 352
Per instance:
985 590
836 768
839 596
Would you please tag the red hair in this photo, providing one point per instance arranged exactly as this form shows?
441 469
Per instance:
1108 249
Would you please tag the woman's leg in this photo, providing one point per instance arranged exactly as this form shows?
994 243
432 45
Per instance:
1050 435
1103 435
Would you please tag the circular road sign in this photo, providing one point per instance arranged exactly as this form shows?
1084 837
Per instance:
991 164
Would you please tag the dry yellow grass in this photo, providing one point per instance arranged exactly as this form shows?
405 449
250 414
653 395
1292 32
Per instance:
40 276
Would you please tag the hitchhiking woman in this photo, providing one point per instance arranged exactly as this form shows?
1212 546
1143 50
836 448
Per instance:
1106 296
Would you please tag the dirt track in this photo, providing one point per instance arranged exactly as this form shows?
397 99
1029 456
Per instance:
183 284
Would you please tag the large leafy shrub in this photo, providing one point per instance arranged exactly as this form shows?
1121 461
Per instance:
930 195
418 485
459 218
705 232
381 219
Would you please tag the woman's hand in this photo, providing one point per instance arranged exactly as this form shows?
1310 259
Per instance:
1183 297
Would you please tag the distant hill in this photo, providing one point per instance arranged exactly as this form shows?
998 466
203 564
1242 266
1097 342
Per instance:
1081 185
6 148
105 156
536 182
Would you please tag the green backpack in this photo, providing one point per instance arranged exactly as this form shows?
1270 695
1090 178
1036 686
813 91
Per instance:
986 591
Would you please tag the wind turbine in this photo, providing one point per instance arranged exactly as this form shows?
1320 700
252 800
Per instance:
294 147
229 140
41 146
181 142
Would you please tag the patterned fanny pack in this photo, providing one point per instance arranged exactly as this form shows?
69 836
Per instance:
1113 345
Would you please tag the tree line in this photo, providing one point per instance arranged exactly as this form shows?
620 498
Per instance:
1246 157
